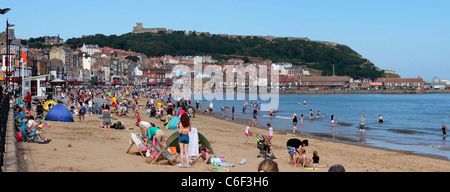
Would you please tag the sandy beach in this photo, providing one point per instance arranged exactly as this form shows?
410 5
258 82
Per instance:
81 147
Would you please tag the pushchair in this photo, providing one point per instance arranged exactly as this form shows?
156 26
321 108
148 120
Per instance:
39 111
153 113
264 147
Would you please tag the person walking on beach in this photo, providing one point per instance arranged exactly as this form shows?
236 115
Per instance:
294 122
362 123
270 131
443 131
255 115
82 111
107 121
183 139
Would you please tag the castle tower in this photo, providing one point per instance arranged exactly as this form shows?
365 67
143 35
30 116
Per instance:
137 28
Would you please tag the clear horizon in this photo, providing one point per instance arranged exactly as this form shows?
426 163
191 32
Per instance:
409 37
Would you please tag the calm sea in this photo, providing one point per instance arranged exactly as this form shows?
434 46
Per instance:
412 122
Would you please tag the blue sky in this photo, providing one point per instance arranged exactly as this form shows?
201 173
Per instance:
411 37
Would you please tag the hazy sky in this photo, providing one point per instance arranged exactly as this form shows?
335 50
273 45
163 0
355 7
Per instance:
408 36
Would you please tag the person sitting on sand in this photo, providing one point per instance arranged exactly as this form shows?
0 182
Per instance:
32 128
316 160
294 146
305 162
204 155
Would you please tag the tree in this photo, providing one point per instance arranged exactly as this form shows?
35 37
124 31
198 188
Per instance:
132 58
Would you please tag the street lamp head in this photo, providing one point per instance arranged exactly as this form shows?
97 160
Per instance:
3 11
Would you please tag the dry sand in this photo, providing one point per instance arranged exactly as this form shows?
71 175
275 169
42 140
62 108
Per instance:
81 147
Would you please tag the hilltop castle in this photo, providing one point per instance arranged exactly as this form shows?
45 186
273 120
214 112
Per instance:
139 29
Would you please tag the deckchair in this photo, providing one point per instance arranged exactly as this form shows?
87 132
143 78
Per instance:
139 143
161 154
29 137
165 150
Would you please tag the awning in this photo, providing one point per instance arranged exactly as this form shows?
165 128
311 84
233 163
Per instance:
376 84
57 81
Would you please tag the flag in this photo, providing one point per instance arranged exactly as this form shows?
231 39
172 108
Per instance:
24 57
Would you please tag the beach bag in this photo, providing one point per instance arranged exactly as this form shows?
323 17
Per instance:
173 150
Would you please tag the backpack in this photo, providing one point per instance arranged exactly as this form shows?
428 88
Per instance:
19 137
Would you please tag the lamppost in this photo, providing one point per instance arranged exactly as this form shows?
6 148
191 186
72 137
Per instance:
3 11
8 54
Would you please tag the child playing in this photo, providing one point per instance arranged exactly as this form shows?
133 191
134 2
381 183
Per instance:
247 132
138 118
204 155
306 163
316 160
301 121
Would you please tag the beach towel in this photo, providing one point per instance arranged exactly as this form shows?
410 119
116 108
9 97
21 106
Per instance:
218 162
193 142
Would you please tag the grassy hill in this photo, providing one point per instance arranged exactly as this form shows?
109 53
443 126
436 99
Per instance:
315 55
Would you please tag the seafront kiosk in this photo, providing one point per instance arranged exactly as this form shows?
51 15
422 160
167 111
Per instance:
36 85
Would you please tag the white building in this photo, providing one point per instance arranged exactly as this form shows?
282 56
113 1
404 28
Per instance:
90 49
137 71
87 61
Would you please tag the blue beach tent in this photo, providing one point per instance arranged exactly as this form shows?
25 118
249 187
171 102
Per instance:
172 124
59 113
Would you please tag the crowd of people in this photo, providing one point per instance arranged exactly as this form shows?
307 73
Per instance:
120 101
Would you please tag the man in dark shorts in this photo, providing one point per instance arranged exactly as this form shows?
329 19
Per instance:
293 146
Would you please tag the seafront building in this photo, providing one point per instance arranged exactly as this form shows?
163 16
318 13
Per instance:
404 83
95 65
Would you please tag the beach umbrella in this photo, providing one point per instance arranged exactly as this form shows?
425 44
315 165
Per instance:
99 102
49 102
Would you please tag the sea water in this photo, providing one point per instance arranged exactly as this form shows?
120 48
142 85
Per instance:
412 122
